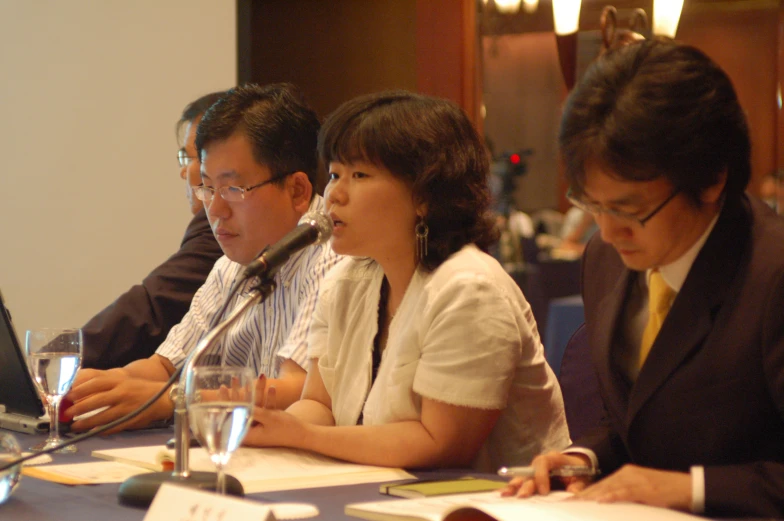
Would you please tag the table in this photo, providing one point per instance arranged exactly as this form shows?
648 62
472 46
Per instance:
37 500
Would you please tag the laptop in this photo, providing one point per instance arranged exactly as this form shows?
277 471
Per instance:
19 397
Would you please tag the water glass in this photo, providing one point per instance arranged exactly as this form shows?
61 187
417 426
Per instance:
54 357
9 478
219 400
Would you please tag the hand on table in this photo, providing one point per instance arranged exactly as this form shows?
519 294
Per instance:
648 486
540 483
272 427
631 483
119 392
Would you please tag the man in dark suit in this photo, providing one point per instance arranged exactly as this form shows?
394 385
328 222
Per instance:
135 324
683 290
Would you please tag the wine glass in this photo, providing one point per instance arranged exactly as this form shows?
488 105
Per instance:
9 478
220 403
54 357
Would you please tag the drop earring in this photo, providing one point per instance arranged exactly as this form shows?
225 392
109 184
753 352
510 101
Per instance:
421 230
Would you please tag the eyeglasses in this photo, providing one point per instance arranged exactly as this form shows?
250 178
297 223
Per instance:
230 193
623 217
183 158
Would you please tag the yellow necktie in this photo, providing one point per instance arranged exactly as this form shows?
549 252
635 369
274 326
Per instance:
660 296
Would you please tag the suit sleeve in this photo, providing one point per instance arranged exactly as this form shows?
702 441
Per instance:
603 440
757 488
137 322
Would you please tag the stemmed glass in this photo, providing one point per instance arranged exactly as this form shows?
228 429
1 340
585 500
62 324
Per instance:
220 405
9 478
54 357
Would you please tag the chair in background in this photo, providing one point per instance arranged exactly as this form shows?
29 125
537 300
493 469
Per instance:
564 317
548 280
580 386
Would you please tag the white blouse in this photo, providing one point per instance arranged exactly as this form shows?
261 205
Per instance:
463 335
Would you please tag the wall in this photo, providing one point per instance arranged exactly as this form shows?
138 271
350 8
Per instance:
524 92
91 197
337 50
333 50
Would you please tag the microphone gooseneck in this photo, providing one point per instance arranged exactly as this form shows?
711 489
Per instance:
313 228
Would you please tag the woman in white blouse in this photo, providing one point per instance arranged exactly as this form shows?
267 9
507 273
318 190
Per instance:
423 351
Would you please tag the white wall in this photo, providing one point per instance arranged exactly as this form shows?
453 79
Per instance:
90 194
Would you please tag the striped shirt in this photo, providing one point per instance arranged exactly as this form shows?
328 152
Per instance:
266 333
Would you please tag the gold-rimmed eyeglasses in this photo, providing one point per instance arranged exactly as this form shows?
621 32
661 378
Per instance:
230 193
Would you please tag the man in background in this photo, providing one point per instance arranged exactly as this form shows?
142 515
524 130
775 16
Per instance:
135 324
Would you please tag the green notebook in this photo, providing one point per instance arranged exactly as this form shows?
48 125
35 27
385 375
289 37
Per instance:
427 488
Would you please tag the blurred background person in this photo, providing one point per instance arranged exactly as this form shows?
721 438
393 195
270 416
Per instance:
135 324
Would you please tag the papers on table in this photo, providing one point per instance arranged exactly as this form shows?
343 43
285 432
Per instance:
491 506
266 470
93 473
40 460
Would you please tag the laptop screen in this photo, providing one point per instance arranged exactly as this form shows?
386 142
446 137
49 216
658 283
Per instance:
17 390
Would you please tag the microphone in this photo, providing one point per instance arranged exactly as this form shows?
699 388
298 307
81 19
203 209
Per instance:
313 228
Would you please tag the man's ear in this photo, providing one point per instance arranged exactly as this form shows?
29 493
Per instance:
712 194
300 190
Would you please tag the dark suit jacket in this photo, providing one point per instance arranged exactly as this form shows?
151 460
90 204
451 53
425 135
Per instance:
711 391
138 321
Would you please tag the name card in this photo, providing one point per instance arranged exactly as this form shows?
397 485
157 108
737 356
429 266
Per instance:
178 503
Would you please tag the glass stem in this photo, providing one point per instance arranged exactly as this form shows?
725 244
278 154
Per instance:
54 420
221 481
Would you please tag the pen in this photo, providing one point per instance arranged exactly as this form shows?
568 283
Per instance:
566 470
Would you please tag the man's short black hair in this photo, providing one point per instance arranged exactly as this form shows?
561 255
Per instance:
655 109
195 109
281 128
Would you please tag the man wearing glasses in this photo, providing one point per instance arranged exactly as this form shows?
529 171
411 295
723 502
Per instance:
683 291
135 324
258 166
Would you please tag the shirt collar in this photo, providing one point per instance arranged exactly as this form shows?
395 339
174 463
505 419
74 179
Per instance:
674 273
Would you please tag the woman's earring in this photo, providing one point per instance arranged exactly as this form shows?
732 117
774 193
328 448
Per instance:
421 231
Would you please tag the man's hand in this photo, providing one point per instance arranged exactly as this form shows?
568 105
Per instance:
540 483
643 485
122 394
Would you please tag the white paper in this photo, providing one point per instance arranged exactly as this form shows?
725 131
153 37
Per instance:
266 470
95 473
536 508
187 504
40 460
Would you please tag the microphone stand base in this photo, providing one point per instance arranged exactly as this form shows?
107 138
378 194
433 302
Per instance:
138 491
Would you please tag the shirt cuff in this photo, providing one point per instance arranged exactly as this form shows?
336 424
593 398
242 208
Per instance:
697 489
585 452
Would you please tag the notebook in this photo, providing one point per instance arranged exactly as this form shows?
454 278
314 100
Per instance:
490 506
18 395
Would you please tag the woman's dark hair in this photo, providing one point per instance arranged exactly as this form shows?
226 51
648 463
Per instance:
655 109
279 125
431 145
195 109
